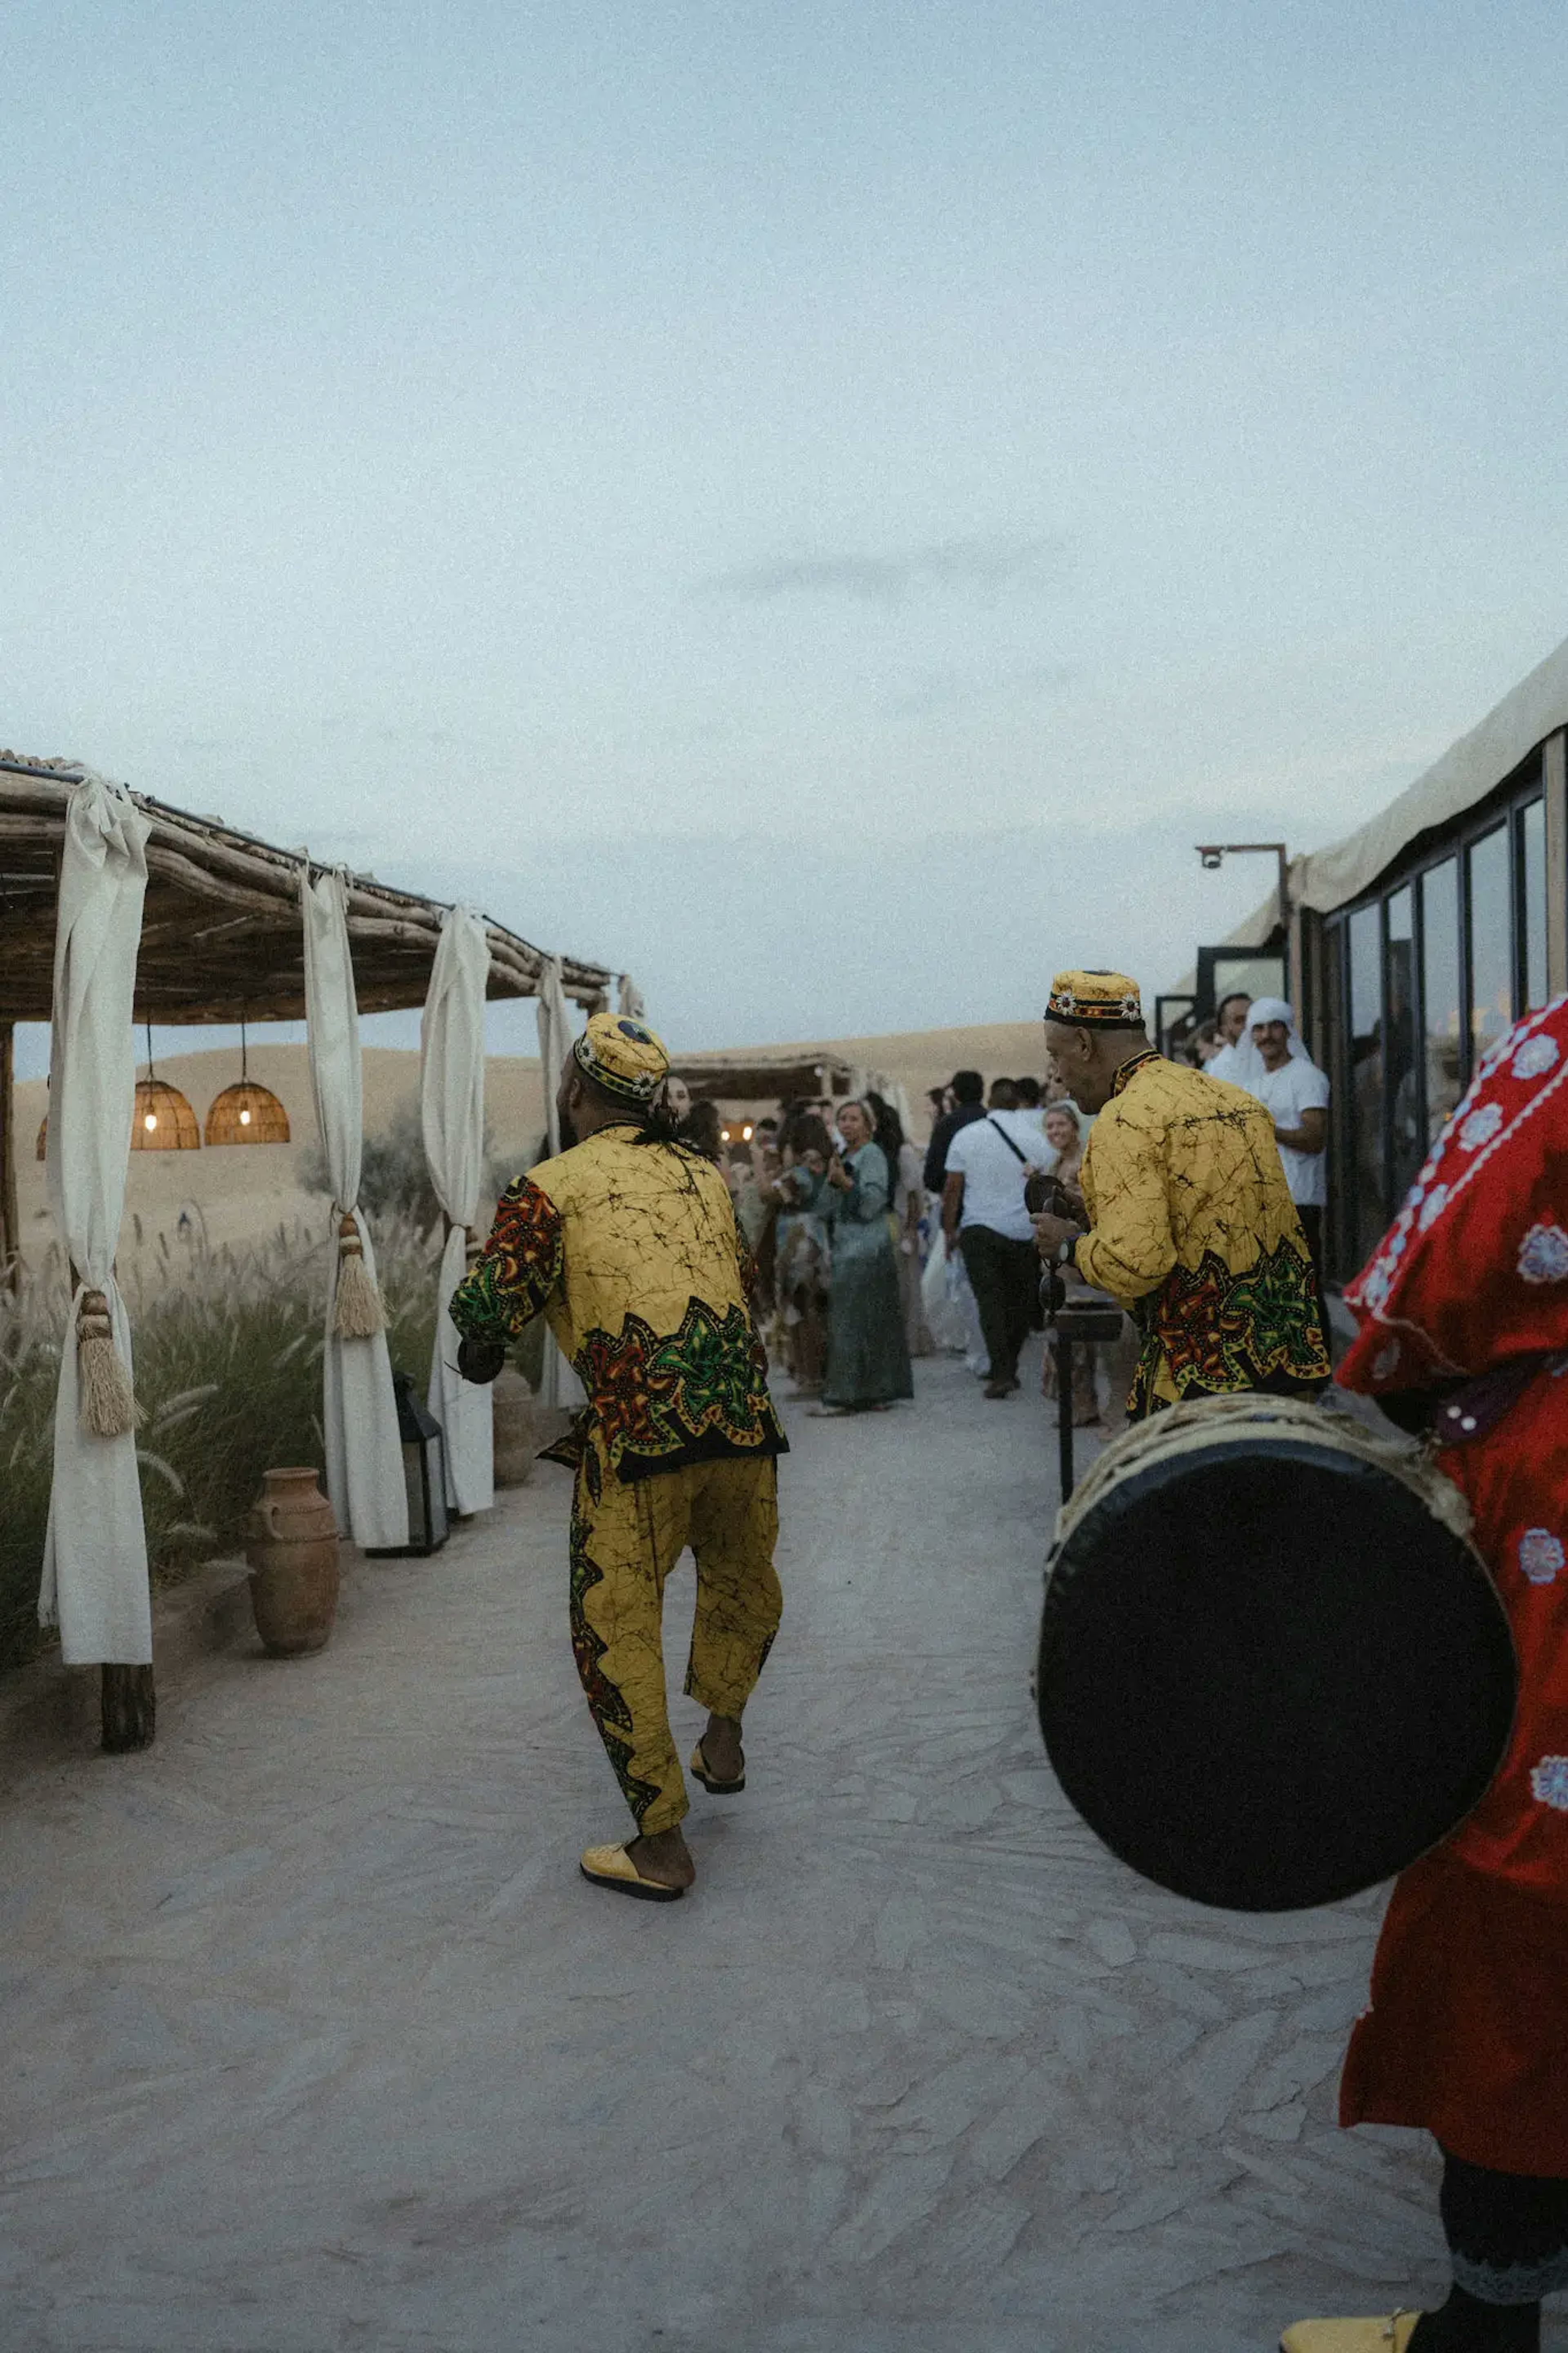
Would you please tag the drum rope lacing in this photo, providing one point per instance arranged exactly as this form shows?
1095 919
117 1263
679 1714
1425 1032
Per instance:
1204 1422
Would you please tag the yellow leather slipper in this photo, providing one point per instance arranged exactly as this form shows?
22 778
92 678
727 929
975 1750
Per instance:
611 1866
1390 2335
699 1766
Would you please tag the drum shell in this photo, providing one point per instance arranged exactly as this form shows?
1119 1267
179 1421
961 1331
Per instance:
1268 1676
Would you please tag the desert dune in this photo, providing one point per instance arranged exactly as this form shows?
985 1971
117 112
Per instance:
239 1192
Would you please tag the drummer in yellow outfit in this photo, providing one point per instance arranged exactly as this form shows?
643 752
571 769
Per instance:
627 1244
1192 1227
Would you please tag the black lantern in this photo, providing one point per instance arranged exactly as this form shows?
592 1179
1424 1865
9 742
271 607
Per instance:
423 1474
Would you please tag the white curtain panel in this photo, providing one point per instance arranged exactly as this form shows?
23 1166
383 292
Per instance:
560 1385
452 1114
95 1553
359 1416
554 1042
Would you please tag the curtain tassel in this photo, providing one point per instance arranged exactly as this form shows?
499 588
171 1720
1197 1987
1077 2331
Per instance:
358 1314
107 1403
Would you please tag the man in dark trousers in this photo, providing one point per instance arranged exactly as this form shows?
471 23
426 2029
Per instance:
968 1103
984 1217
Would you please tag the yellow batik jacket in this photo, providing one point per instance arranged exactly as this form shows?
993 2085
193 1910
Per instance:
1194 1231
629 1251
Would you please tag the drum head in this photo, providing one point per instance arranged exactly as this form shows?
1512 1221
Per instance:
1269 1677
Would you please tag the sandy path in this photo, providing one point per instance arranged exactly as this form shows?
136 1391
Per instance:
316 2041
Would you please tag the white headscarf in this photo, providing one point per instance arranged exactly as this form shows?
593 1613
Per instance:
1249 1068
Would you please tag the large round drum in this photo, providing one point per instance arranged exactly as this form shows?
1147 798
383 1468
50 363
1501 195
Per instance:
1272 1668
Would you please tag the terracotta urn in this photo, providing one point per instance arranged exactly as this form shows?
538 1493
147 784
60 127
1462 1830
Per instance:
515 1437
291 1544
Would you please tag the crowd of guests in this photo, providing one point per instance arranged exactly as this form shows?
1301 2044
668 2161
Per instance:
870 1253
828 1199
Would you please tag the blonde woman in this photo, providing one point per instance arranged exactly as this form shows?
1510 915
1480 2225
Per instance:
1065 1127
1064 1133
867 1358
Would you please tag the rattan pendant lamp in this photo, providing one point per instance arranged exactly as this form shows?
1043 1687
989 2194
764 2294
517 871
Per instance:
164 1120
246 1112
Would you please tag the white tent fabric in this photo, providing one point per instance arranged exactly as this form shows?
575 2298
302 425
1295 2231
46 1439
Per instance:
1534 709
559 1385
95 1553
452 1115
1329 878
554 1042
364 1455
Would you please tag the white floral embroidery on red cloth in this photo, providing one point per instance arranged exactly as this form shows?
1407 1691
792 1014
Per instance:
1480 1127
1543 1255
1540 1554
1534 1058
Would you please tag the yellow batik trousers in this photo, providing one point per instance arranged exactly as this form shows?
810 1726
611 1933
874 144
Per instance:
627 1537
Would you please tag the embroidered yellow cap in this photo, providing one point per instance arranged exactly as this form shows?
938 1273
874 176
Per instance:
622 1056
1107 999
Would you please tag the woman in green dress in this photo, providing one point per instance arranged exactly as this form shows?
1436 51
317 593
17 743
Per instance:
867 1355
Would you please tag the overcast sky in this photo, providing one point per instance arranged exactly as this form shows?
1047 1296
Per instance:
818 504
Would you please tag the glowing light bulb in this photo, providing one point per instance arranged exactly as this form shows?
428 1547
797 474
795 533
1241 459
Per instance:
245 1119
745 1136
151 1121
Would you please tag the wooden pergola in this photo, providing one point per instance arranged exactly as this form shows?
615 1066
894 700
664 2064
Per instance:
765 1077
222 940
222 936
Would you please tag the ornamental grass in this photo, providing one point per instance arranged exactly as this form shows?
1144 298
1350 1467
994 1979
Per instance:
228 1346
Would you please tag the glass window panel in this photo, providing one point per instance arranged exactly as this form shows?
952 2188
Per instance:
1341 1189
1249 971
1407 1133
1491 941
1440 988
1532 901
1370 1212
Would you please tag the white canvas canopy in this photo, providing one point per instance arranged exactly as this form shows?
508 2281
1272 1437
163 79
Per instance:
452 1115
1469 770
364 1455
95 1555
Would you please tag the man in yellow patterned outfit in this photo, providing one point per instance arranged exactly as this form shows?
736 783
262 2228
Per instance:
627 1244
1192 1227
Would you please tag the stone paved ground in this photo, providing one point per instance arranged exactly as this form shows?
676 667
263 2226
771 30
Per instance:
314 2041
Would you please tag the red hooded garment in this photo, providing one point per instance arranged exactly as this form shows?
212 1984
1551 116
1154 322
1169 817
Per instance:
1468 2030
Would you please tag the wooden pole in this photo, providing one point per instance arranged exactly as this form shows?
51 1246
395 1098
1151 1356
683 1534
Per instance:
10 1219
1061 1347
128 1707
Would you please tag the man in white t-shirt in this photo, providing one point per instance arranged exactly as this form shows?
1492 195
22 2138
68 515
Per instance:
1292 1089
1230 1020
982 1214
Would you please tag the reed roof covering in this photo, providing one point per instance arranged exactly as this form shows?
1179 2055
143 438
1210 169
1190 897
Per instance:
764 1077
221 936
